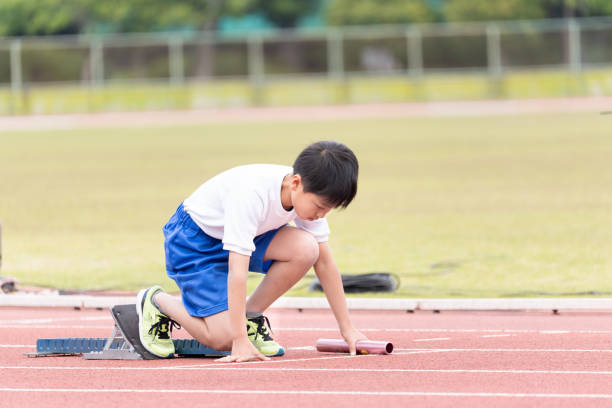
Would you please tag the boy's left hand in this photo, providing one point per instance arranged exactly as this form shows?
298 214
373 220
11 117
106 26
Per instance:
352 335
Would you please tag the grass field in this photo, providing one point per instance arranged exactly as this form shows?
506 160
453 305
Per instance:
300 91
491 206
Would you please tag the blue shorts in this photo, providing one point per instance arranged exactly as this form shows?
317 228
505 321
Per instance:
199 265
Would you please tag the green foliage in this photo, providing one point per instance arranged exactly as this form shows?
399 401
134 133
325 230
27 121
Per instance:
157 15
46 17
36 17
283 13
363 12
146 15
478 10
577 8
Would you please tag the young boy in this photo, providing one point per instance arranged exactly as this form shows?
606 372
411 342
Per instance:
238 222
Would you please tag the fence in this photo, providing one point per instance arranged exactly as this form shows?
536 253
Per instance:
414 51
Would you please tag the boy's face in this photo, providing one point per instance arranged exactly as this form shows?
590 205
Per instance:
308 206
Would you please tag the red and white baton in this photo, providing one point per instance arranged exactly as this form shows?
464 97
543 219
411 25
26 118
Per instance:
363 346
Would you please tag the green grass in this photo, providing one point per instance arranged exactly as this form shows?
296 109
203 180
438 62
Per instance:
497 206
70 98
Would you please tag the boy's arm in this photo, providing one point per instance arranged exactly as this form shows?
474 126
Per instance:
242 348
331 282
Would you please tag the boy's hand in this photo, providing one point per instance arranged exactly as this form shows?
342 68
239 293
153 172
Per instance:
352 335
243 350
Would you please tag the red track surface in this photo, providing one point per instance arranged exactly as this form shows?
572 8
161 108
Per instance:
452 359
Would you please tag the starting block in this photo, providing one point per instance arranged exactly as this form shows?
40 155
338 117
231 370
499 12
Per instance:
123 343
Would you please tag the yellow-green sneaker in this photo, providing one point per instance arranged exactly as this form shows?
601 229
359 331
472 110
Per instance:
260 337
154 326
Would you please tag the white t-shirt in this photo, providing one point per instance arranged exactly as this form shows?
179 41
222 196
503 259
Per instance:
244 202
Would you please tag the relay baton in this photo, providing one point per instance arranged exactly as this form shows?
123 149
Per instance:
363 346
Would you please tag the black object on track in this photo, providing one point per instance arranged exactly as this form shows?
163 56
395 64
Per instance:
366 282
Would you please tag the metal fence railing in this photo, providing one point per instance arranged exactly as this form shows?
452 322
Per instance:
492 48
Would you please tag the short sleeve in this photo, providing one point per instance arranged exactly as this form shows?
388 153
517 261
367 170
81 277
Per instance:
243 212
318 228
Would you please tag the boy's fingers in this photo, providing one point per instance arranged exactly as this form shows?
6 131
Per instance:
352 348
243 358
261 357
227 359
252 358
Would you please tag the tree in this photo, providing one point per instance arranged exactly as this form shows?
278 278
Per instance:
47 17
479 10
283 13
364 12
32 17
577 8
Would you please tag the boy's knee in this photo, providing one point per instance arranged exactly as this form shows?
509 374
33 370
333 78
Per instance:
308 252
220 340
220 343
216 333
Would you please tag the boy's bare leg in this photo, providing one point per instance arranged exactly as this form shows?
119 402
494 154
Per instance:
295 251
212 331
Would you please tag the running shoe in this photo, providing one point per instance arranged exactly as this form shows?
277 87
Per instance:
154 326
257 330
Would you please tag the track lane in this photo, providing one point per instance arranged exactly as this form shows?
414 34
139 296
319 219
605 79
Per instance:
506 359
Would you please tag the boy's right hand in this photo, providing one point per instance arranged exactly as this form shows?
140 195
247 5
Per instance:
243 350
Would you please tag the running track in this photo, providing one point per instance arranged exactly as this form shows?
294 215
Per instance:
451 359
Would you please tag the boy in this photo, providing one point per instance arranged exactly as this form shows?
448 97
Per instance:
238 221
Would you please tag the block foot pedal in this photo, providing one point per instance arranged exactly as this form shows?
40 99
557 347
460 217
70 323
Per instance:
123 343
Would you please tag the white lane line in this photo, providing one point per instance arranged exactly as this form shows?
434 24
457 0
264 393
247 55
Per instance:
434 339
403 353
56 319
246 363
6 325
316 392
486 336
514 331
502 350
237 367
49 326
16 346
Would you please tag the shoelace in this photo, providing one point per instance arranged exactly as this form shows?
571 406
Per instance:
261 327
162 326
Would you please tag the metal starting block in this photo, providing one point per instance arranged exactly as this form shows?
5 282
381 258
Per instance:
123 343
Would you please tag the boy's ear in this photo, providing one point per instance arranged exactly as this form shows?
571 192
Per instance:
296 180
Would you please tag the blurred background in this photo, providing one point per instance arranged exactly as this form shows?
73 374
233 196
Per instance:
59 56
458 201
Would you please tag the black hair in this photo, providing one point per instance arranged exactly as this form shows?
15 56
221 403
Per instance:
329 169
